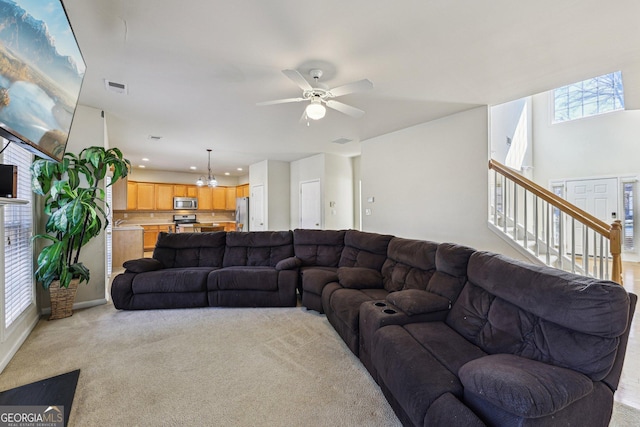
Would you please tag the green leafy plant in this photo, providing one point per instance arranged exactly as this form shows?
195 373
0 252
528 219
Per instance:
76 206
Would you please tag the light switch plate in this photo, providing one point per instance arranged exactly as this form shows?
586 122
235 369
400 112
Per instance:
367 211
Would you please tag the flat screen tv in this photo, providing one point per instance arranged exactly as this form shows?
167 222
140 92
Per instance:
41 74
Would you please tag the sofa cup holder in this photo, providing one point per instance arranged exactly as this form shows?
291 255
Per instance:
389 311
380 304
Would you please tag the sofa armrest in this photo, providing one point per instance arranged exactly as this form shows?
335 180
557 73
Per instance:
416 301
290 263
359 278
521 386
142 265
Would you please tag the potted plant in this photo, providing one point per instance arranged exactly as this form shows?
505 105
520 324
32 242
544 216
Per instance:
77 210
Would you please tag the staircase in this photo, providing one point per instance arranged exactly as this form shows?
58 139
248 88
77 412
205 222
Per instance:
549 230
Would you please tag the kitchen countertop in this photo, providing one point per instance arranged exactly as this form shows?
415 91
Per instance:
128 227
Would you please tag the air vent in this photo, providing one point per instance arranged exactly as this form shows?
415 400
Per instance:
341 140
154 137
115 87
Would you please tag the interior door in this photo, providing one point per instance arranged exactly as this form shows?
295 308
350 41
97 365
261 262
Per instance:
310 205
599 197
256 208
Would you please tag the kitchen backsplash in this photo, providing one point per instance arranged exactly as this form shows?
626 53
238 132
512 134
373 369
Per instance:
132 218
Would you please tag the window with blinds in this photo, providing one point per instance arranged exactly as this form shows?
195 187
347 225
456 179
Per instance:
18 226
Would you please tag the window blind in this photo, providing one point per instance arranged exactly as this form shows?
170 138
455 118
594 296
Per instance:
18 251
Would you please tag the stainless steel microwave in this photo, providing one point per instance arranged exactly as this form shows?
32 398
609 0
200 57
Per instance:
185 203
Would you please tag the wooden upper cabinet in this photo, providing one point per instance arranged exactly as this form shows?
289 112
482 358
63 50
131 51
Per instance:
231 198
192 191
132 195
219 198
205 199
242 190
146 196
164 197
179 190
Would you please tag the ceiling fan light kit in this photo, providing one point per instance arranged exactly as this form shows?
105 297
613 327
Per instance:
315 110
211 179
321 95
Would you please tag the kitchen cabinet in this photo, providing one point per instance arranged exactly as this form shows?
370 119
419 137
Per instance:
146 196
205 199
127 244
219 198
242 190
151 234
179 190
230 193
164 197
132 195
230 226
192 191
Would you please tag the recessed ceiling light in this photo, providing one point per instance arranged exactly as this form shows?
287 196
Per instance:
144 159
227 173
240 169
142 166
193 168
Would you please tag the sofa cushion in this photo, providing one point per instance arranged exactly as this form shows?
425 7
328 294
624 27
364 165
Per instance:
290 263
411 373
409 264
318 247
523 387
171 280
448 411
258 248
314 279
541 313
415 301
244 278
359 278
142 265
364 249
176 250
445 344
451 270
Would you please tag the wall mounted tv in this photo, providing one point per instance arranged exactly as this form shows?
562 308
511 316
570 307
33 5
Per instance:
41 74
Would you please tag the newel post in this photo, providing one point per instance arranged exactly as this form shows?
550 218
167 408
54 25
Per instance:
615 240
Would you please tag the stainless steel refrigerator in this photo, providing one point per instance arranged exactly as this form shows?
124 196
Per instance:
242 214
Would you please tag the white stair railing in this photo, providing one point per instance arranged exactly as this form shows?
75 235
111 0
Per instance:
551 230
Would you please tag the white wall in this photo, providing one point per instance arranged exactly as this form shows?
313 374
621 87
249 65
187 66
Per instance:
147 175
504 124
430 182
275 177
338 192
87 130
335 174
604 145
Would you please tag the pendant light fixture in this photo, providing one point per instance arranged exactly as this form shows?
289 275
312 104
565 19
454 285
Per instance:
211 179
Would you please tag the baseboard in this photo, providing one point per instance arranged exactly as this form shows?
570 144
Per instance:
79 305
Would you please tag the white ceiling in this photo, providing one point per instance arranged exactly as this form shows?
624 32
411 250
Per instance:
196 68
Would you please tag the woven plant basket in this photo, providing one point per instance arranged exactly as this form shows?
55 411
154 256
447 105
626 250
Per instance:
62 299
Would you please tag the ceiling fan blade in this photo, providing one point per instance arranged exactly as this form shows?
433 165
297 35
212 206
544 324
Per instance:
279 101
359 86
297 78
345 109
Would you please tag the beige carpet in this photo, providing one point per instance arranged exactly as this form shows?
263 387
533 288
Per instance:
203 367
209 367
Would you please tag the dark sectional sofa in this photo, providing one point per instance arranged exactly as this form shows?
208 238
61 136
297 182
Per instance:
453 336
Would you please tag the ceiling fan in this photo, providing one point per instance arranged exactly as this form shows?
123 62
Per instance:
321 95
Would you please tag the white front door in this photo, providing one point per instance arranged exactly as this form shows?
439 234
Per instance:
599 197
256 210
310 205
